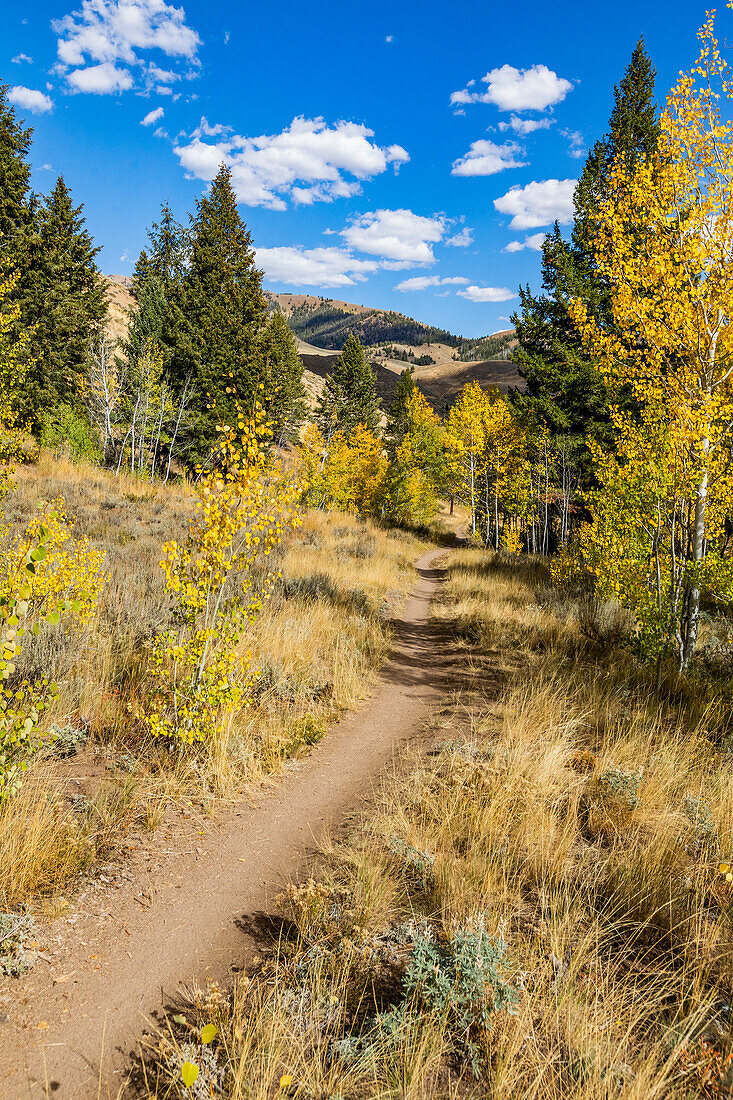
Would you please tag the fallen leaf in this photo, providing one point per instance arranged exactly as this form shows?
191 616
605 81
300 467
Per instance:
42 1025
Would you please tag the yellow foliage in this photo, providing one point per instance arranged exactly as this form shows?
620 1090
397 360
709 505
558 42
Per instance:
662 243
245 504
347 474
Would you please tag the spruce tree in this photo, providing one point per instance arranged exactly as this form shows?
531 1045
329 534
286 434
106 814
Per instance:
282 378
564 390
398 420
167 254
146 323
222 311
349 396
15 174
64 300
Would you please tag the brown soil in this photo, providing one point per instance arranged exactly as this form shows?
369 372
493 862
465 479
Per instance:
182 908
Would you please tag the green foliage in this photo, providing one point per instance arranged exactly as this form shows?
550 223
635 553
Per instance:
282 378
146 322
15 174
63 299
349 397
398 419
462 982
67 430
224 309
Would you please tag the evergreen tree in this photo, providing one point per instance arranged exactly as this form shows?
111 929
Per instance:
222 311
15 174
167 255
349 397
398 418
63 299
146 323
282 377
563 387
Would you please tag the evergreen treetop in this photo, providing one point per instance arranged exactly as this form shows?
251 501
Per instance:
398 418
15 173
282 378
349 396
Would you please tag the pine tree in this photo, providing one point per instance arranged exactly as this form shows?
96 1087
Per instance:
167 255
15 174
222 311
64 301
349 397
146 323
564 389
282 378
398 418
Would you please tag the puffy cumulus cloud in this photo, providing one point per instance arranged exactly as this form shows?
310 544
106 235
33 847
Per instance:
105 34
327 267
152 116
462 239
309 161
423 282
487 294
20 58
396 235
534 242
30 99
101 79
526 126
538 203
485 158
512 89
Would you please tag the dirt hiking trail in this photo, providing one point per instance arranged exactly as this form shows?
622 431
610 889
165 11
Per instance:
93 995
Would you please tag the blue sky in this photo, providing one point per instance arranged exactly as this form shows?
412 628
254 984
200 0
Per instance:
408 155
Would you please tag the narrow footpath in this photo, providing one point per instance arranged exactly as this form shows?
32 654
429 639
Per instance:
70 1029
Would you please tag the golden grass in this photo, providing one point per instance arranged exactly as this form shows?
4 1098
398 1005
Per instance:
575 815
315 648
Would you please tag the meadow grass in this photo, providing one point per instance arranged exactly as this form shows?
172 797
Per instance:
315 649
569 820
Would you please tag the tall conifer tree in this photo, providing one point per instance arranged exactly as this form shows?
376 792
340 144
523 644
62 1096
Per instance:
349 396
398 418
15 174
563 387
64 301
223 307
282 377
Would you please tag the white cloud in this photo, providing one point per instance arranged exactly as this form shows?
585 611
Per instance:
423 282
462 239
30 99
512 89
577 145
397 235
152 116
484 158
534 242
102 33
20 58
539 203
308 161
162 76
124 258
327 267
46 167
526 126
487 294
100 79
389 38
